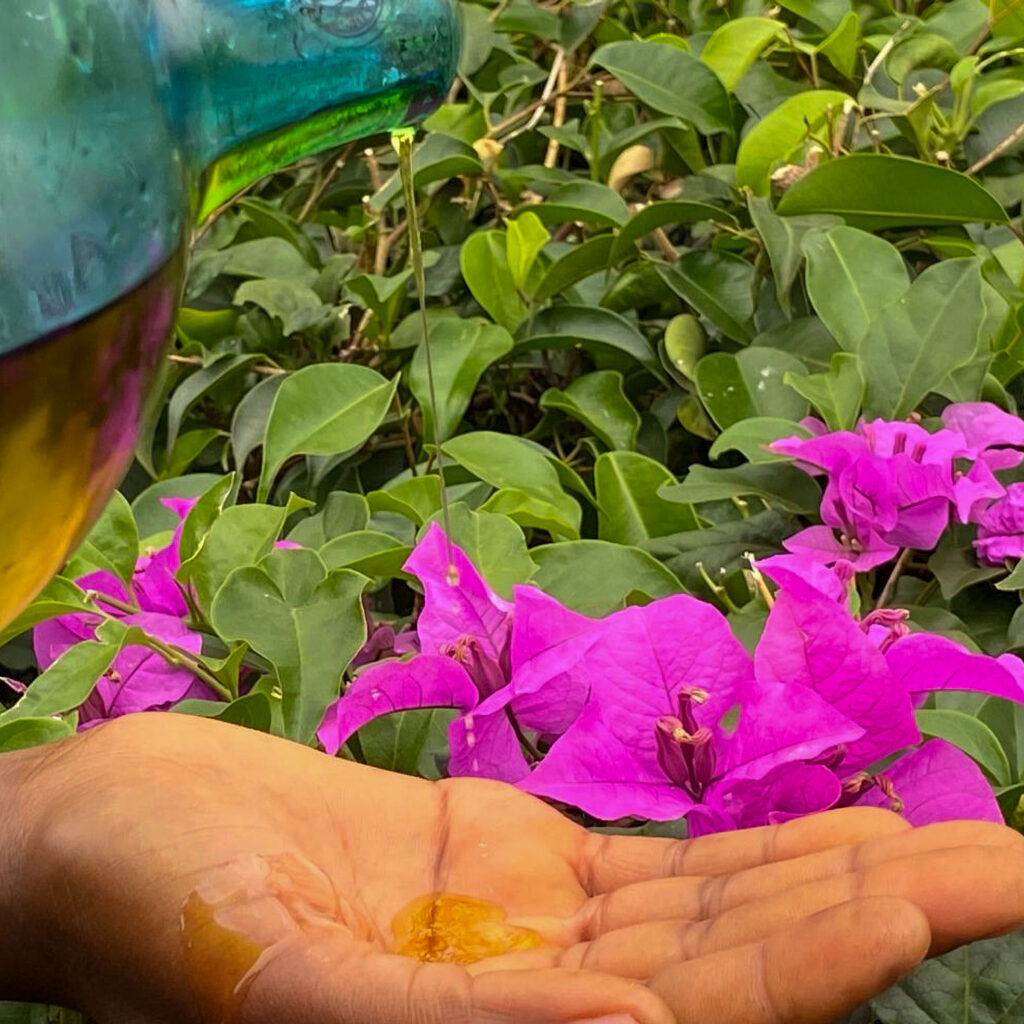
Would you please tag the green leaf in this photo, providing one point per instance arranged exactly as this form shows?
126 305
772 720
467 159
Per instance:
187 448
525 240
18 735
734 46
719 286
825 14
782 486
589 202
750 383
784 240
269 257
201 383
324 409
252 711
683 345
972 736
249 422
59 597
843 45
271 221
407 741
591 328
461 349
152 516
596 578
485 268
722 549
506 461
780 135
917 341
876 190
751 437
670 81
112 544
658 215
67 683
1007 18
578 263
366 548
202 516
982 982
295 304
417 498
630 509
837 395
240 536
953 564
493 543
599 402
342 512
851 277
438 158
307 624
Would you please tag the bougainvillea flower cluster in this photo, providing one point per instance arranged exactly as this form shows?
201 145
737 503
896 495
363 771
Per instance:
659 712
139 679
893 485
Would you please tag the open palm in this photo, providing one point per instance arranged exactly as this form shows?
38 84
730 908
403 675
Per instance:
303 877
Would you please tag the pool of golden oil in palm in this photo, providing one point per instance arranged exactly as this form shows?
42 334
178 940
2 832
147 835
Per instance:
71 404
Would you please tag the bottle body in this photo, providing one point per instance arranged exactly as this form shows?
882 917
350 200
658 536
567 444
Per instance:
120 121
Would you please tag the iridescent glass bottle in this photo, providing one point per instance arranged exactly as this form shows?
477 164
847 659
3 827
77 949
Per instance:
121 121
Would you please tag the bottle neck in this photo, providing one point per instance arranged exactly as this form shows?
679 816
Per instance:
253 85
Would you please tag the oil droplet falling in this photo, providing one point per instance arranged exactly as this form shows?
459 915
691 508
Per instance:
442 928
243 914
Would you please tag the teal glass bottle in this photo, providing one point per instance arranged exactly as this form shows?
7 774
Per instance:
121 123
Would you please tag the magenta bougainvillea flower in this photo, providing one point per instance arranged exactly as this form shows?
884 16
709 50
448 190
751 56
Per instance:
139 679
1001 528
469 647
893 485
675 723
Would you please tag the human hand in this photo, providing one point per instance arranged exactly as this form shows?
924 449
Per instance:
292 867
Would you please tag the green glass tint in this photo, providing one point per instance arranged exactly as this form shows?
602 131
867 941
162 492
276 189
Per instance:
121 121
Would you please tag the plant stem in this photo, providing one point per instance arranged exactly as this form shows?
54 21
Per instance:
890 583
186 659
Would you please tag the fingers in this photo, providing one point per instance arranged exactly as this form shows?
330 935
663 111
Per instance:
966 894
810 973
697 898
610 862
333 980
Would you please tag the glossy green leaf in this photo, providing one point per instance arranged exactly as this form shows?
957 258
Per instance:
589 202
629 508
111 545
596 578
363 548
780 486
851 277
506 461
493 543
837 395
719 286
18 735
461 349
784 240
485 268
670 81
526 237
589 327
778 137
917 341
682 346
200 384
662 214
269 257
295 304
578 263
734 46
59 597
842 47
342 512
876 190
599 402
249 422
417 498
325 409
751 437
972 736
271 220
408 741
750 383
825 14
307 624
437 158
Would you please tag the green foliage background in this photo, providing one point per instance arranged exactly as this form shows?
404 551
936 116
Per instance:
657 235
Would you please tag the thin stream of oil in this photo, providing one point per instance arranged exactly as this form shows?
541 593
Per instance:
241 916
402 142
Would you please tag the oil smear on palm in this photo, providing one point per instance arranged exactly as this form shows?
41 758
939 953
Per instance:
402 142
243 915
